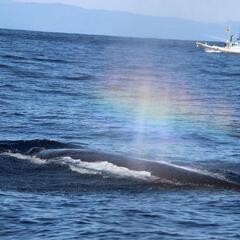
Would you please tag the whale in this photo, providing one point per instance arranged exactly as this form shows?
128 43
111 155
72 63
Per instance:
171 173
164 171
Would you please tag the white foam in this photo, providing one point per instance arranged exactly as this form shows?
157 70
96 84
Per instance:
25 157
107 168
212 51
90 168
83 171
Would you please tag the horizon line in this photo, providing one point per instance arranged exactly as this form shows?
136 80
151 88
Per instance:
103 35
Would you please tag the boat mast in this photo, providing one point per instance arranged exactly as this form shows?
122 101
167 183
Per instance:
229 37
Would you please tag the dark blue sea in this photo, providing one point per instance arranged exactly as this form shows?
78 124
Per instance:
161 101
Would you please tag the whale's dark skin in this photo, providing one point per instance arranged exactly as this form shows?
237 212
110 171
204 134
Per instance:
47 149
172 173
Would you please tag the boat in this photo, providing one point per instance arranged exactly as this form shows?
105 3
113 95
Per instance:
230 46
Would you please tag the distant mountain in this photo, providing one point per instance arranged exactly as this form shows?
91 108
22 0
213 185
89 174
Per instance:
71 19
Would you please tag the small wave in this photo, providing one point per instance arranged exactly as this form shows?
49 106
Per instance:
9 56
7 85
57 92
4 66
78 77
221 73
50 60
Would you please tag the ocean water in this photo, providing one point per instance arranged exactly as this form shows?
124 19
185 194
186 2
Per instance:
159 100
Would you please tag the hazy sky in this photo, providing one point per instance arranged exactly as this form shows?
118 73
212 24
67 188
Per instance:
201 10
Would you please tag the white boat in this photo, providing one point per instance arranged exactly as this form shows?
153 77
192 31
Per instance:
229 47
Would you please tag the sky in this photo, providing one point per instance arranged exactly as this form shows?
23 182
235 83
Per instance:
198 10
